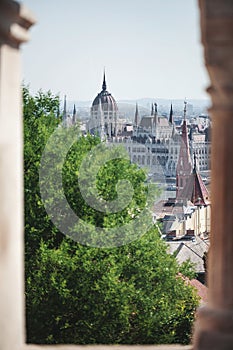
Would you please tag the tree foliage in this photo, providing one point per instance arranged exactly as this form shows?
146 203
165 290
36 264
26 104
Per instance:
80 294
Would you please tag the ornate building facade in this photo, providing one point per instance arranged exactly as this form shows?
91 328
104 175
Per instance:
156 144
152 141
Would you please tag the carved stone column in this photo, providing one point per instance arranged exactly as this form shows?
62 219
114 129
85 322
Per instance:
214 326
14 24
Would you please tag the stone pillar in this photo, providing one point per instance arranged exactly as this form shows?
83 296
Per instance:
214 326
14 24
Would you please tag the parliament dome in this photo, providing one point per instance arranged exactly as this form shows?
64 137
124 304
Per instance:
107 100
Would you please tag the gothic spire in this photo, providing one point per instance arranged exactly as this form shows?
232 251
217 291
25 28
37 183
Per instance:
185 109
152 109
194 162
184 128
136 119
184 164
74 110
194 188
155 119
64 114
74 114
171 115
200 194
104 86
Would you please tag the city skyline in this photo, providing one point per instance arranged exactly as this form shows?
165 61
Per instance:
149 49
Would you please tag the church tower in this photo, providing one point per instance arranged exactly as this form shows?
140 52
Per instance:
184 165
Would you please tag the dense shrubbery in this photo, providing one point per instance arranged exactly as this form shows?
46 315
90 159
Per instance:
78 294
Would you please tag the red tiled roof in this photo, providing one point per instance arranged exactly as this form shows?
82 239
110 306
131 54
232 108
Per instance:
200 195
195 190
202 290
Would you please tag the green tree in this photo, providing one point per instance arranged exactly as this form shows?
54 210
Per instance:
130 294
40 120
85 295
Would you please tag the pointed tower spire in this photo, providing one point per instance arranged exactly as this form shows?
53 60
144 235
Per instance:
104 86
155 119
195 189
64 114
184 165
74 114
194 162
171 115
152 109
185 108
136 119
200 194
184 128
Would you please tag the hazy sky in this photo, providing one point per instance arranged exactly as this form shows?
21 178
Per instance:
150 48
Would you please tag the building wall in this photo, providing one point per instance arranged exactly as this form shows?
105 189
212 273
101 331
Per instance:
163 156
